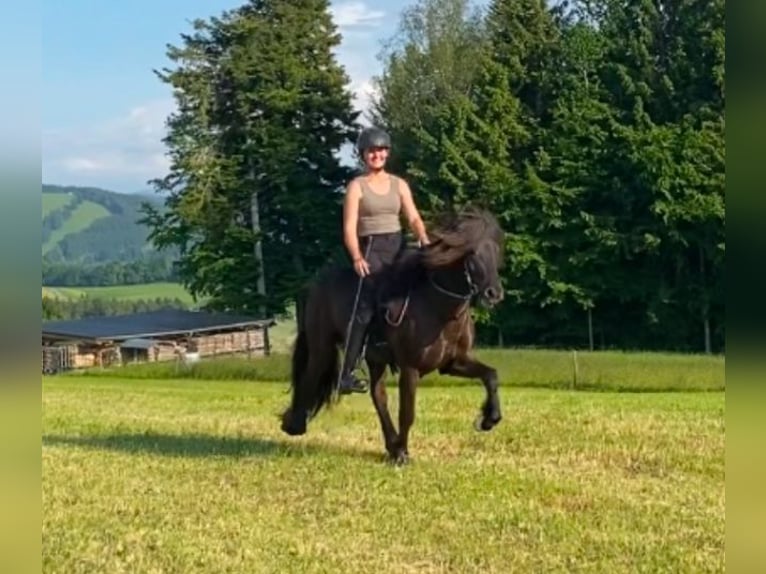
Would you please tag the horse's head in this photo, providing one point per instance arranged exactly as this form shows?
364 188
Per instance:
482 266
471 241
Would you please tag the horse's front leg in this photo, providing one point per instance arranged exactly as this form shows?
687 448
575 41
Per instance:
408 383
380 401
465 366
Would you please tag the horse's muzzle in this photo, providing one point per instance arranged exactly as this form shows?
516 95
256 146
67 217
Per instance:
493 296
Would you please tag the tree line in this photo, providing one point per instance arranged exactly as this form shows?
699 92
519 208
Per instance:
592 129
150 269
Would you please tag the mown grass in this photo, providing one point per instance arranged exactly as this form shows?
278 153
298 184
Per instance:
195 476
160 289
602 371
165 290
61 292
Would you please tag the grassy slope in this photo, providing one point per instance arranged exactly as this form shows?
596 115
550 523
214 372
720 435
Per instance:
54 201
182 476
82 217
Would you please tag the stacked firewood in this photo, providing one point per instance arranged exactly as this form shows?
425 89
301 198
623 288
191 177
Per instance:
226 343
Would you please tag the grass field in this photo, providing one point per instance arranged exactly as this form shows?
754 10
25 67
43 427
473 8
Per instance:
597 371
123 292
195 476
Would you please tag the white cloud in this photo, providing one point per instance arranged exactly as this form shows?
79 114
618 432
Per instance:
359 26
364 91
128 148
82 164
355 14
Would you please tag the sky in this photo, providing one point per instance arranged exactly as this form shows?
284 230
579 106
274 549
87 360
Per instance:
103 107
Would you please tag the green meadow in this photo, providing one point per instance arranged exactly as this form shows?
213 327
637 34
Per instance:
186 470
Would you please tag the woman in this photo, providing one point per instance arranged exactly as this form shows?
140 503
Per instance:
372 233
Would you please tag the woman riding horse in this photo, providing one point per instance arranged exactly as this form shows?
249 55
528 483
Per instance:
427 326
372 234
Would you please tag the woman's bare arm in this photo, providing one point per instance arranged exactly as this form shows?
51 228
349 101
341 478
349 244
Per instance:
412 214
351 218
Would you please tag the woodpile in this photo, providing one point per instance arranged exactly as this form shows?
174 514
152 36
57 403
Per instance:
85 360
227 343
164 352
58 358
96 356
64 356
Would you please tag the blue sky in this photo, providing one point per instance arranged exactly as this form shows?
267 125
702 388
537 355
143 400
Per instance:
104 109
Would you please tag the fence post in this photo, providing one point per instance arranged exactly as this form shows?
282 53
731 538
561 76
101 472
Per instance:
574 364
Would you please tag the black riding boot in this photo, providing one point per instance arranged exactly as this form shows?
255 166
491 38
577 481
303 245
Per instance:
348 382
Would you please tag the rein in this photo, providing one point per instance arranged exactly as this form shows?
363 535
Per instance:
472 289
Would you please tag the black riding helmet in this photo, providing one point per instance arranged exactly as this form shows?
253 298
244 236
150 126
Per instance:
372 137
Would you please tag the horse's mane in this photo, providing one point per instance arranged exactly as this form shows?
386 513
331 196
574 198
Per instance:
453 235
456 234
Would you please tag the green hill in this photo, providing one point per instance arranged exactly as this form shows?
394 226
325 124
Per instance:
87 226
80 219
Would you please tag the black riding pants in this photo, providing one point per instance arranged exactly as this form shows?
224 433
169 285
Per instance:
379 251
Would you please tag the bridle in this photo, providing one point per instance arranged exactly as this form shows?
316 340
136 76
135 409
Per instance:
473 289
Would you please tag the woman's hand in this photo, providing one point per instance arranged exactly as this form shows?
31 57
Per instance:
361 267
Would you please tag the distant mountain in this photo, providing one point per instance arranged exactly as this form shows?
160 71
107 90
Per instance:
86 225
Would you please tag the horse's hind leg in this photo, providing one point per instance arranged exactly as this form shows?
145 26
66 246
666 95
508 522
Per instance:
380 401
300 409
408 382
467 367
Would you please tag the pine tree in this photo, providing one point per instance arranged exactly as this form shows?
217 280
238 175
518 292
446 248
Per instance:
262 112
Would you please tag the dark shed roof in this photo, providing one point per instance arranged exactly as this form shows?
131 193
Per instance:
149 324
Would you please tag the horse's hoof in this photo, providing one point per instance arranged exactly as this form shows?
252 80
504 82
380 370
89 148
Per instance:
291 428
294 431
400 458
486 423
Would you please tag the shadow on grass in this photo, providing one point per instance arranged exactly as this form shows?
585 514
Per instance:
200 445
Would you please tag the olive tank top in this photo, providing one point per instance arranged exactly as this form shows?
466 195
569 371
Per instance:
379 212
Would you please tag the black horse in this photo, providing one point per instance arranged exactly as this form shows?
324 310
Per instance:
423 324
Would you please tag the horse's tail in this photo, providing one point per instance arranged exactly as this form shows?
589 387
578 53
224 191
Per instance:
311 390
325 387
300 357
300 309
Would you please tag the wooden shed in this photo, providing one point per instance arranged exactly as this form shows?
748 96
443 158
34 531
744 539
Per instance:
165 335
